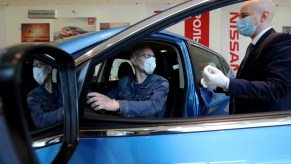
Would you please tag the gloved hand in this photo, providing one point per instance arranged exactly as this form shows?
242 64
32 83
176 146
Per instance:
213 76
204 82
99 101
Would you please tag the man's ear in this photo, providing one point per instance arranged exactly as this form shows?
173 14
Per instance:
265 16
133 60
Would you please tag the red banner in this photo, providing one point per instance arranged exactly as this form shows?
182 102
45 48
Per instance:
91 20
197 28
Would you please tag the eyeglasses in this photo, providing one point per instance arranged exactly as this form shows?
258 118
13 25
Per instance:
39 65
147 55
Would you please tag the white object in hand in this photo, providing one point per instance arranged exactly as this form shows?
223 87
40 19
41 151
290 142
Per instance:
213 76
203 82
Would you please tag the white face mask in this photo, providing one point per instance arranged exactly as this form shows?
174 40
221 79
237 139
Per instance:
38 75
149 65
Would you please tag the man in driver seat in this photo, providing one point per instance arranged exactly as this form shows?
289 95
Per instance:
141 95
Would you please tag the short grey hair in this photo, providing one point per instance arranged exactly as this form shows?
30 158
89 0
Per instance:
137 50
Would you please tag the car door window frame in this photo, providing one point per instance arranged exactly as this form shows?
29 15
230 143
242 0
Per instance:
101 70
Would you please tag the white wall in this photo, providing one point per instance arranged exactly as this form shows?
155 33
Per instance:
215 31
281 18
2 26
131 13
104 13
11 18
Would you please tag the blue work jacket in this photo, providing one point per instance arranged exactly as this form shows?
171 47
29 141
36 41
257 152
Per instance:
45 108
148 100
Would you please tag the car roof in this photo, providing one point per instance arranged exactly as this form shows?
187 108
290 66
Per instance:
73 44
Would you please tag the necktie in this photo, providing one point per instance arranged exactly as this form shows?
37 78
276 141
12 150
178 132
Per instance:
248 51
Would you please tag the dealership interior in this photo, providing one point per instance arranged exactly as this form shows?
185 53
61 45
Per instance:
14 13
79 46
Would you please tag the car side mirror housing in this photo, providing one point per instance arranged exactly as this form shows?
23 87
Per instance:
13 61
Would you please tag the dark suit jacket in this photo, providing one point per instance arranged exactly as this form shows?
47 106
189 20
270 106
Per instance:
264 83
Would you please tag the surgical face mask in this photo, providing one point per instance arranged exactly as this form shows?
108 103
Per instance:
245 27
149 64
38 75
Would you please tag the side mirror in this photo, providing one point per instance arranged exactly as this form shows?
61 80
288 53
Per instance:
15 72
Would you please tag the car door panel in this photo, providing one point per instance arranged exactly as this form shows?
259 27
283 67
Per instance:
229 143
47 154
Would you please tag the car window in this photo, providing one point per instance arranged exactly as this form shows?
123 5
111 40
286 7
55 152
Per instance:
225 65
120 68
168 65
202 58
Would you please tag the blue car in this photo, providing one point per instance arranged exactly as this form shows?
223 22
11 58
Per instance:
196 127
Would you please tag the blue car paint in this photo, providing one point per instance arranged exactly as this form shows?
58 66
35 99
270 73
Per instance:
191 91
73 45
52 150
242 146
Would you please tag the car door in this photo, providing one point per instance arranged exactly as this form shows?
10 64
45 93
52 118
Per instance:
213 139
217 103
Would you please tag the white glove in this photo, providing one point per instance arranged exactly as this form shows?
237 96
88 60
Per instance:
99 101
213 76
204 82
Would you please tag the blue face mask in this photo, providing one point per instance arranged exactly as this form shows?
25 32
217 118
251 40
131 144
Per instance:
245 27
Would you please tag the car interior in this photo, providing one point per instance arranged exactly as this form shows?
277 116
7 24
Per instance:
168 66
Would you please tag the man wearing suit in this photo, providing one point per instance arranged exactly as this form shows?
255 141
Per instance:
263 81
